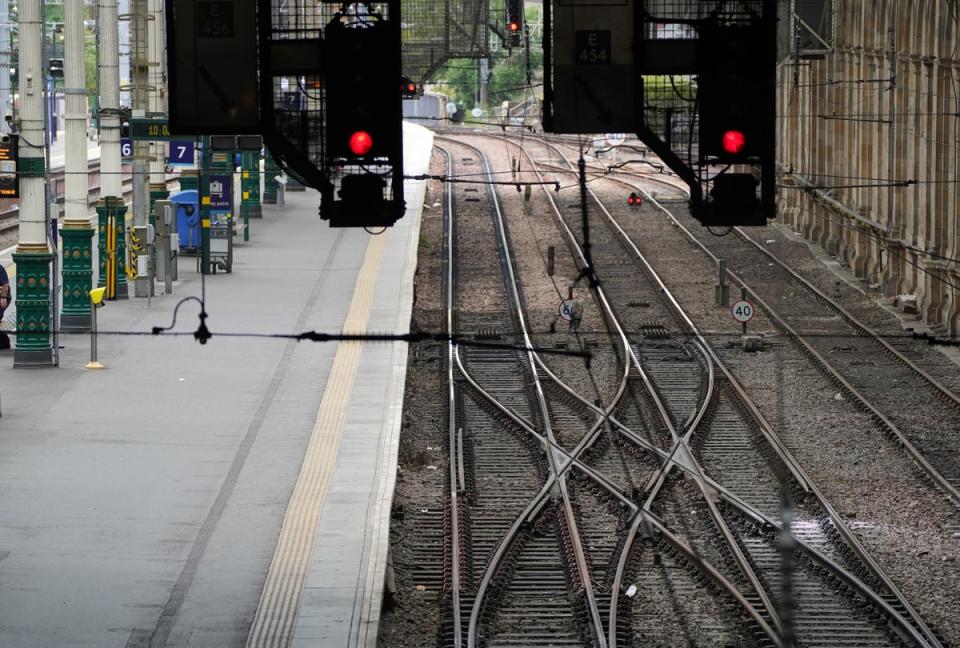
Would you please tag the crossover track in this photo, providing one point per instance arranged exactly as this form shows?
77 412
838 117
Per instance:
854 357
736 472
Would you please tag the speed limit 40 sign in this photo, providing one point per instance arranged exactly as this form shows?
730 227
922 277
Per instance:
742 311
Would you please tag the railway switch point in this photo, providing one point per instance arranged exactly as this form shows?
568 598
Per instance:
751 343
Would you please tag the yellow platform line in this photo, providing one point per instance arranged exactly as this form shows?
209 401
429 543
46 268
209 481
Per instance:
283 589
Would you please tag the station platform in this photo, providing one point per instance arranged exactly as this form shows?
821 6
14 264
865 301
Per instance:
229 494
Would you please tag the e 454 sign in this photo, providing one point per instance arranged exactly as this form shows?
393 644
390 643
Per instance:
593 47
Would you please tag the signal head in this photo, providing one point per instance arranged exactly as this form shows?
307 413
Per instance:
361 143
733 141
408 89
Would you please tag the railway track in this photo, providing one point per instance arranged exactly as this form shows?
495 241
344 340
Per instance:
10 218
639 505
498 474
821 551
855 357
514 604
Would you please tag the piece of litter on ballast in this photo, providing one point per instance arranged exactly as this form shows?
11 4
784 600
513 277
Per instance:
431 467
837 397
771 241
631 591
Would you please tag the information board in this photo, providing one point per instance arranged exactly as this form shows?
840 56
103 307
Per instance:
9 180
221 192
153 129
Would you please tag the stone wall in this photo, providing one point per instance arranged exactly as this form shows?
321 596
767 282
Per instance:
871 167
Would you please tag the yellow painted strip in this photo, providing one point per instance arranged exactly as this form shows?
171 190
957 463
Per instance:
283 589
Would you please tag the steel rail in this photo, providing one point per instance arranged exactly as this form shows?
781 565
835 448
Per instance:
852 320
739 558
579 555
639 515
945 392
927 637
456 475
932 473
569 516
951 491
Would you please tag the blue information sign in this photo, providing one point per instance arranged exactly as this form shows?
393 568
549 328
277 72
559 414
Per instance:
181 153
221 192
126 148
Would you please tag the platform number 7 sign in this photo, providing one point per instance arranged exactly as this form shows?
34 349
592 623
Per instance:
181 152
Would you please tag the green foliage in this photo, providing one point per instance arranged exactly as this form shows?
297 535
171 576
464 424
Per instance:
667 90
90 63
53 13
460 78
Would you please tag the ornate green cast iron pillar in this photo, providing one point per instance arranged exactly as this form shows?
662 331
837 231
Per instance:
112 206
33 307
250 184
158 191
77 277
270 172
189 179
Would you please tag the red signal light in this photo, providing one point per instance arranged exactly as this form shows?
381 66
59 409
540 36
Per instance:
734 141
361 143
411 88
513 26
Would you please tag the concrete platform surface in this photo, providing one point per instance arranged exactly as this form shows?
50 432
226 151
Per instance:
143 504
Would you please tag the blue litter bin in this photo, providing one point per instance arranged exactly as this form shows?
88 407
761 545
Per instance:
188 219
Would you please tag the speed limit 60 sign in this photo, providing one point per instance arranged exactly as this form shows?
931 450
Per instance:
742 311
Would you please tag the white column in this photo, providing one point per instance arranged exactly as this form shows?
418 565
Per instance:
157 55
76 114
32 233
6 106
109 98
